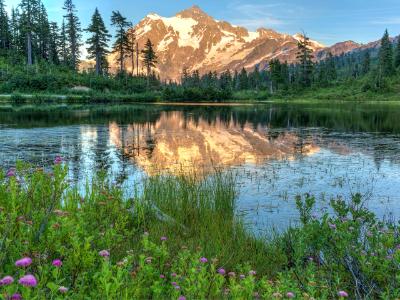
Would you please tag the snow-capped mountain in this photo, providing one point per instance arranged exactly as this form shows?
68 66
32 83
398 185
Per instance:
194 40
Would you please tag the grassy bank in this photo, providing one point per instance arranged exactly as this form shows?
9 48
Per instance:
181 239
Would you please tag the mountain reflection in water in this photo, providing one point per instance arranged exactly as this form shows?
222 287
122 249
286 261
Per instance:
176 144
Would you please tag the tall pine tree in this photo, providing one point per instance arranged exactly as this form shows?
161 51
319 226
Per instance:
122 44
386 67
305 63
97 42
73 34
149 58
397 55
5 34
366 63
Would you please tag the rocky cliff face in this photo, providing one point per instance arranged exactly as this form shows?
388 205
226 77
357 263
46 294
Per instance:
194 40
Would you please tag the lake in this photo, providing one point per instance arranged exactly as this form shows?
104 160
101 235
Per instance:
277 151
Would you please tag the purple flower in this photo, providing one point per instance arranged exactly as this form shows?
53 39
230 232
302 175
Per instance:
162 276
177 287
173 275
182 298
163 238
398 247
6 280
57 263
28 280
174 283
11 173
16 296
241 276
62 289
203 260
104 253
58 160
252 273
221 271
343 294
23 262
332 226
290 295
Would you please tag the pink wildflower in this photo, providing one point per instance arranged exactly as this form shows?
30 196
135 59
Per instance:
104 253
58 160
11 173
16 296
290 295
182 298
343 294
203 260
57 263
28 280
7 280
221 271
62 289
163 238
23 262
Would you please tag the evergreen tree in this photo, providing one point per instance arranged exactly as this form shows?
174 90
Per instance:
14 29
97 42
331 74
5 34
42 33
131 48
64 53
304 57
122 45
243 80
26 24
366 63
149 58
386 67
54 42
73 34
397 56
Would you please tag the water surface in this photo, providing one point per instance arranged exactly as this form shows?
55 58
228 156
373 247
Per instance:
277 150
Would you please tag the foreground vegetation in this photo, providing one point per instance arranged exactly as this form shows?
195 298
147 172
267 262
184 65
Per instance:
179 238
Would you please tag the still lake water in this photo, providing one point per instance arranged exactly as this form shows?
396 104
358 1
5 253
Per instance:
277 151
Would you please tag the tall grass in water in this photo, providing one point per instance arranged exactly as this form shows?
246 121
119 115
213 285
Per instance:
201 213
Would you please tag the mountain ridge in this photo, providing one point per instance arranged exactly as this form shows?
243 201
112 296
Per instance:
194 40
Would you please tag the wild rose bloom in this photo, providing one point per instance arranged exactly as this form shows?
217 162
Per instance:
58 160
104 253
16 296
57 263
221 271
28 280
163 238
182 298
23 262
62 289
343 294
11 173
290 295
203 260
6 280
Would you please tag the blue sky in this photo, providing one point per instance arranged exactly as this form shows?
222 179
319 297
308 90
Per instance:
328 21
